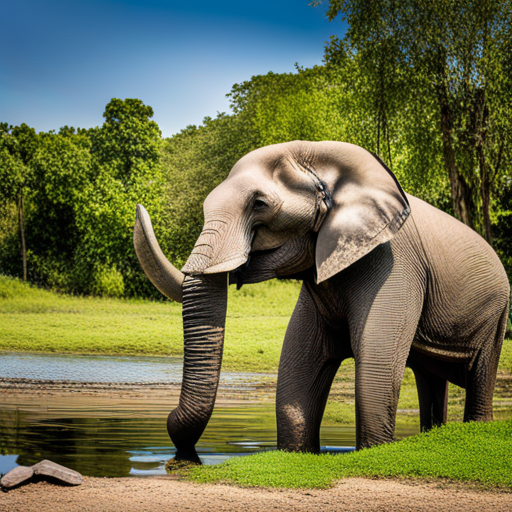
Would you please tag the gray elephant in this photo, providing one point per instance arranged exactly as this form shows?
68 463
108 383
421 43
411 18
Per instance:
387 279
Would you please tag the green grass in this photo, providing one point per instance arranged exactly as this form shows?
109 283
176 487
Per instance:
36 320
480 453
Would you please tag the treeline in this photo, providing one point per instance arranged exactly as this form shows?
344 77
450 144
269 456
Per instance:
68 201
426 85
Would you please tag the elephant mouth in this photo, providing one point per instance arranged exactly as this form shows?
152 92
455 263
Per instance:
286 261
256 269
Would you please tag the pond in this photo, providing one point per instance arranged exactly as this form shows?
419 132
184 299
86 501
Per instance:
86 368
111 429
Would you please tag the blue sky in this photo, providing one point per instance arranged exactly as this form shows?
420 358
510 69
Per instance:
62 61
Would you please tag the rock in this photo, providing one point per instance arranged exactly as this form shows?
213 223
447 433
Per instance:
16 476
45 468
51 469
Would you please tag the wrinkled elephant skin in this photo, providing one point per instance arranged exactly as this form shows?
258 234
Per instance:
387 280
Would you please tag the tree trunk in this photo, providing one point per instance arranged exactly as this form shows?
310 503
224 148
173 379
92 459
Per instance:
462 201
485 192
22 235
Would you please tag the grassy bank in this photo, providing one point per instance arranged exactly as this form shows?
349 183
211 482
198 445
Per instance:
36 320
480 453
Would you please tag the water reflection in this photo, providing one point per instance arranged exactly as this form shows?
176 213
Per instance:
101 431
123 445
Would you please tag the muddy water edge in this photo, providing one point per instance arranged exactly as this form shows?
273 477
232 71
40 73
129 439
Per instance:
120 430
106 416
114 424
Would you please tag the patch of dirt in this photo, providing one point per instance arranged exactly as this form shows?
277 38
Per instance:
14 392
165 493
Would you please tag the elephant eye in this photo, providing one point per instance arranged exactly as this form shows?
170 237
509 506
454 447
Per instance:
259 204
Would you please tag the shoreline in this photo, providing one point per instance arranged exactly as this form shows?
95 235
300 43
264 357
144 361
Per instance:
15 393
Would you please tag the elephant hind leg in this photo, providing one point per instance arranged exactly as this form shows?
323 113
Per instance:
481 378
433 398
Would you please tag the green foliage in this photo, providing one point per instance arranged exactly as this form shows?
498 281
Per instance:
480 453
193 163
80 191
108 282
385 86
125 172
449 62
62 168
127 141
13 289
278 108
17 146
503 225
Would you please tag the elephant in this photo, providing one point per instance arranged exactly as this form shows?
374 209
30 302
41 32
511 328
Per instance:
387 279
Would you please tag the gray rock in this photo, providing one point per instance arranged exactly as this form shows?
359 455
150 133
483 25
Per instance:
16 476
49 468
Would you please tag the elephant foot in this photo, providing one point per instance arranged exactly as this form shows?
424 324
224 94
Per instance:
187 454
173 465
182 459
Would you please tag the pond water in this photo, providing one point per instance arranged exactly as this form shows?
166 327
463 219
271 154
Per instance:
76 368
124 433
123 443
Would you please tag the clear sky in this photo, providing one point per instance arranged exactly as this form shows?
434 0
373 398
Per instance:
61 61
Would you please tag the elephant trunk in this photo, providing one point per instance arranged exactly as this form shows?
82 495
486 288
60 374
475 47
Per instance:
204 317
204 300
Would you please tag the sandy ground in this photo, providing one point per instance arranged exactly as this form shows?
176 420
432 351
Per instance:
157 494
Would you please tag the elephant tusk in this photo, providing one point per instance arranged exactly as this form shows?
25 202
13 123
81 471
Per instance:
160 271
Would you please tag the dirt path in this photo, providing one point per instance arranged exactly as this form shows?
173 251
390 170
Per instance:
166 494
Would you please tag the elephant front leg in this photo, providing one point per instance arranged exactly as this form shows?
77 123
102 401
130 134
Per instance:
307 367
379 373
381 346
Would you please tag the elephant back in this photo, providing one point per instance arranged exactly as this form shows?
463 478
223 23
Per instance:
466 286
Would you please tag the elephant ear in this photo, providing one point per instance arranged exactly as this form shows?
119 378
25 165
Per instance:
369 207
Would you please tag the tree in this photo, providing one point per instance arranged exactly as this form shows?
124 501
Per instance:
17 147
125 170
503 229
128 140
82 186
62 170
457 54
276 108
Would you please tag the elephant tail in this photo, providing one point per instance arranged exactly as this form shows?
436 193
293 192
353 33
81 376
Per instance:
503 325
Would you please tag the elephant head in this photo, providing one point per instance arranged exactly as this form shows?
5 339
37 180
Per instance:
283 210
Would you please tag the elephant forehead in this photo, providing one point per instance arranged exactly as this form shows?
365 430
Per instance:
229 192
262 174
250 167
267 159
